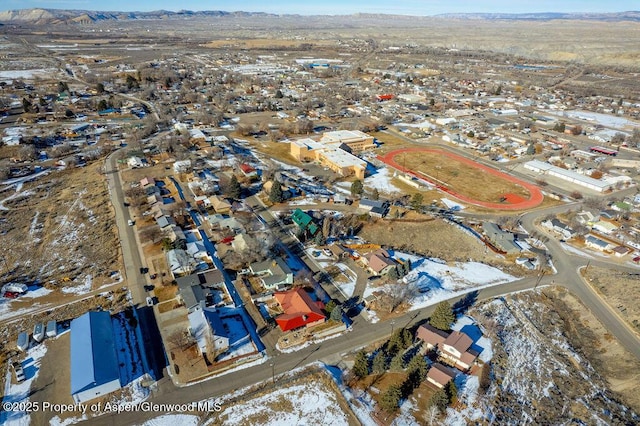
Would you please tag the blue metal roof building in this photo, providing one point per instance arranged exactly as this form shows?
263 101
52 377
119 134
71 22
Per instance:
94 361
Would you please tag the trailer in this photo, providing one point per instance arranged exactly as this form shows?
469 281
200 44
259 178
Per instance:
52 329
23 341
38 332
15 288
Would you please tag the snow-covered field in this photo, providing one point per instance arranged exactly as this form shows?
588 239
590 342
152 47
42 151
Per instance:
294 403
431 281
381 180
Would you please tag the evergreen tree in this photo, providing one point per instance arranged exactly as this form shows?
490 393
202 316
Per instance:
418 368
393 273
394 344
439 399
397 362
276 195
361 365
407 338
380 362
326 226
531 149
356 187
336 314
375 195
452 392
391 398
319 239
485 377
26 105
442 316
330 306
416 201
233 188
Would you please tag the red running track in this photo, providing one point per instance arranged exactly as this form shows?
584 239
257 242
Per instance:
535 195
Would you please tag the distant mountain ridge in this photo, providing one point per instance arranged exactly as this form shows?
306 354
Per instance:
64 16
546 16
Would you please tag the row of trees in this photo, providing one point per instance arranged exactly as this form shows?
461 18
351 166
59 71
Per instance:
392 356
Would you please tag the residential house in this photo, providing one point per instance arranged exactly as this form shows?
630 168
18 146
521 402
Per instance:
299 310
174 232
338 251
154 199
304 221
621 251
274 273
165 221
219 204
587 218
431 336
207 328
180 263
135 162
242 242
182 166
597 243
609 214
146 181
375 208
248 171
503 240
456 350
202 289
95 370
379 262
604 227
439 375
559 227
151 190
197 250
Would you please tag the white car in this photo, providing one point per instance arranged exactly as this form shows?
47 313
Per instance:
149 301
131 222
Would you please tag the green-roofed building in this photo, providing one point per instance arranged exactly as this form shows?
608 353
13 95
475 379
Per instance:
304 221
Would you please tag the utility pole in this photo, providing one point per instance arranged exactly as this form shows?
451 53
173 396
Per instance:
538 280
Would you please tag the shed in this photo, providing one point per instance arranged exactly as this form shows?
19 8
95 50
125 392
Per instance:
94 362
52 329
38 332
23 341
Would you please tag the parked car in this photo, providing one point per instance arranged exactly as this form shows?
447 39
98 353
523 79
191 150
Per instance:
17 368
131 222
149 301
11 294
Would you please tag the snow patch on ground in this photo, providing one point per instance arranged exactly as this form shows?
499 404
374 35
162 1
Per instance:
380 180
20 392
174 419
85 287
307 406
431 281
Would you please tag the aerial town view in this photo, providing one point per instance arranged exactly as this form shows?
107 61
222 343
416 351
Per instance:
339 213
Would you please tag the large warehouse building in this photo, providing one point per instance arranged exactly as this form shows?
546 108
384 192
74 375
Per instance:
94 362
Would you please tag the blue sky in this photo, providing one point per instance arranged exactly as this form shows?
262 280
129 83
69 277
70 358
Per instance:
335 7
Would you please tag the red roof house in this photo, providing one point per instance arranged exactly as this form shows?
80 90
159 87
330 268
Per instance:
247 170
299 309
